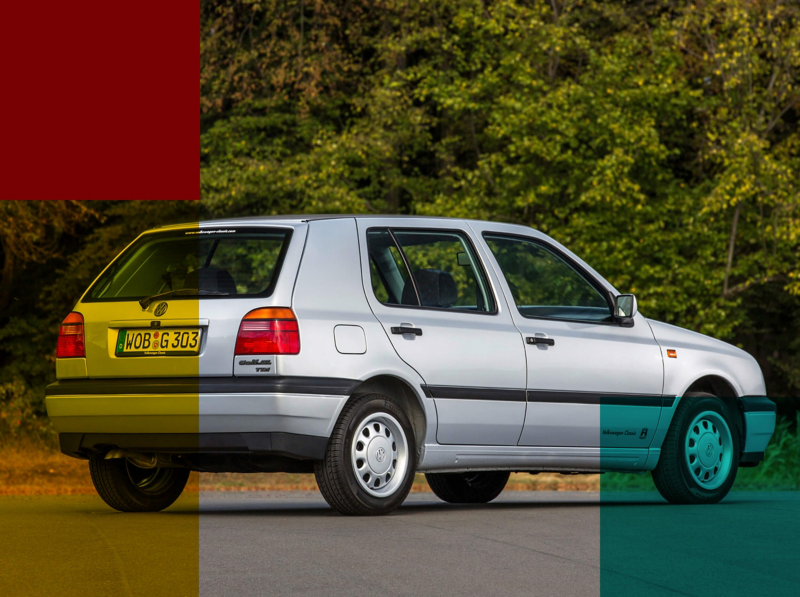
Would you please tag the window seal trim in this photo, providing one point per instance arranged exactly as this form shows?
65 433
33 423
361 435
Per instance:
594 282
458 231
406 263
267 292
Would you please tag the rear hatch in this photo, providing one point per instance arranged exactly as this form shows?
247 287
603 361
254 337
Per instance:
170 305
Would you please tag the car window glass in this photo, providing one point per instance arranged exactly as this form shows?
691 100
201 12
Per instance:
387 269
543 284
446 271
250 261
234 263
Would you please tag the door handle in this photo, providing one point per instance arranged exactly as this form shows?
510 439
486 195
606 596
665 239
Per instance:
539 340
406 330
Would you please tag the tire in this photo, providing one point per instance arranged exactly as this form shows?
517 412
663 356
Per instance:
468 488
702 438
129 488
370 460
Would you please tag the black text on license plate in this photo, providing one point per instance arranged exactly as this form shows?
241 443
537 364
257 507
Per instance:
158 342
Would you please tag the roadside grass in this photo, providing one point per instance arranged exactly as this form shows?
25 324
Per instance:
36 467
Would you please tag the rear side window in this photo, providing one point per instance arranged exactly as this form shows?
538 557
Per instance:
444 270
544 285
225 262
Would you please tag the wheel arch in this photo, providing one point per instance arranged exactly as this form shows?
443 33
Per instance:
710 383
713 384
718 386
404 393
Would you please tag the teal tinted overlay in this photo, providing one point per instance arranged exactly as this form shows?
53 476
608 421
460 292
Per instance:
747 544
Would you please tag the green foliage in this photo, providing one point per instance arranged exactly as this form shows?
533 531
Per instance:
658 140
19 416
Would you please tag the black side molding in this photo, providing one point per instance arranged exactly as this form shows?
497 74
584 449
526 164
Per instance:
514 395
601 398
292 445
757 404
470 393
206 385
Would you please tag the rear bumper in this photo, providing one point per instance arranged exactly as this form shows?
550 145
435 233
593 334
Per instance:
291 416
292 445
759 425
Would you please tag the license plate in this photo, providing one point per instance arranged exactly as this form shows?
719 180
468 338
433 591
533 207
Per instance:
152 343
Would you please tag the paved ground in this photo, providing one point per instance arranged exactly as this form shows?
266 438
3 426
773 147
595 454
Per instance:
525 543
291 543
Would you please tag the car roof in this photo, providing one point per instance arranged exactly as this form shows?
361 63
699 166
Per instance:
300 218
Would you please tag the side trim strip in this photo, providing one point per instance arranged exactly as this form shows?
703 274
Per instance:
601 398
513 395
469 393
206 385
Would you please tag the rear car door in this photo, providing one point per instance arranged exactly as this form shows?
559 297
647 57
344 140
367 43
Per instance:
591 382
426 284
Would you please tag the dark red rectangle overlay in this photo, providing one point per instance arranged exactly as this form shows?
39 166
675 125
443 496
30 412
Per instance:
100 100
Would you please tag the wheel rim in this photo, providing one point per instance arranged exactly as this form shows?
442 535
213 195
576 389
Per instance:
151 481
709 450
379 454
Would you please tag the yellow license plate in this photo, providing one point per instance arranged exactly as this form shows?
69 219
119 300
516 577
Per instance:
166 342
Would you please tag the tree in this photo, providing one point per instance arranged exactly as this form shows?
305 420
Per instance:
30 231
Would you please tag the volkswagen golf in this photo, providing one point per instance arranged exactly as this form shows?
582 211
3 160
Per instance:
365 349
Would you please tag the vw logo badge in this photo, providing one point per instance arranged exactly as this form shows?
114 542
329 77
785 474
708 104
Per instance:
709 449
160 309
380 455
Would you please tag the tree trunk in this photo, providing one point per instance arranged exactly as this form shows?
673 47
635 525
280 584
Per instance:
731 246
8 274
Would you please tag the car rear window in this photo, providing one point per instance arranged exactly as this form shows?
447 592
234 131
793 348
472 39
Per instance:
219 262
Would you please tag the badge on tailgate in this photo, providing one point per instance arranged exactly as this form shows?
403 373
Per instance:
261 365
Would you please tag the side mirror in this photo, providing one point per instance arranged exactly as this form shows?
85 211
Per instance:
625 307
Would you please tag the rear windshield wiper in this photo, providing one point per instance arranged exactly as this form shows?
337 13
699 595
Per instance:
146 302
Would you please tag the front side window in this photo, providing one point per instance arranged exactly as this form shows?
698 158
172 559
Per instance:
216 262
444 270
544 285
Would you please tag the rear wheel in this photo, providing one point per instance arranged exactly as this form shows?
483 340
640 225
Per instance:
370 460
468 488
129 488
700 455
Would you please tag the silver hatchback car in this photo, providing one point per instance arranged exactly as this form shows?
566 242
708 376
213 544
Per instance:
368 348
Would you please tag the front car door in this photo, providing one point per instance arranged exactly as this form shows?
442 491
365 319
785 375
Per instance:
591 382
444 313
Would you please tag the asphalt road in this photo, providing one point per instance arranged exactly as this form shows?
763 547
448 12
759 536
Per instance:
291 543
525 543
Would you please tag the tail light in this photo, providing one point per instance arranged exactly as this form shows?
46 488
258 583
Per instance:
268 331
70 337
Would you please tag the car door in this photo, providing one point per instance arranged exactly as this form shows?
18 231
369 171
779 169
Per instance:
426 284
591 381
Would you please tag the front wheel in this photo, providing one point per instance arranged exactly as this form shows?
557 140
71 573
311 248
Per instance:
129 488
371 457
700 455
